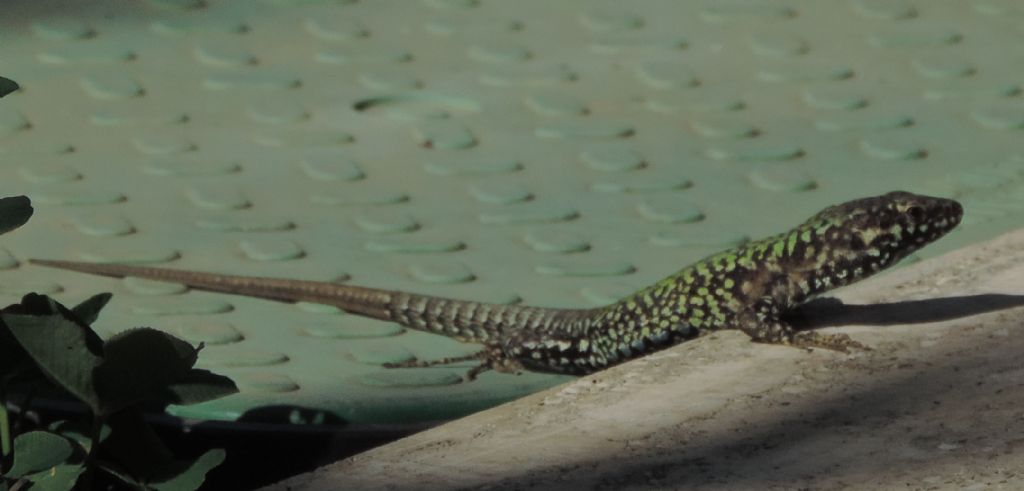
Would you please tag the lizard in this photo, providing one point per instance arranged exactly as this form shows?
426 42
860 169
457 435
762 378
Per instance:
750 288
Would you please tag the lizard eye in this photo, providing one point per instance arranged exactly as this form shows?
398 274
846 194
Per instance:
916 213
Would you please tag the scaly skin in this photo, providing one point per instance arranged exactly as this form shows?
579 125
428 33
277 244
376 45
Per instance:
747 288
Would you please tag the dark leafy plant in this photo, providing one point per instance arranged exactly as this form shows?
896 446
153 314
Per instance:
43 343
7 86
14 362
14 212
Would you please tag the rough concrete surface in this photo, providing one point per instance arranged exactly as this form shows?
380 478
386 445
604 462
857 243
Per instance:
937 404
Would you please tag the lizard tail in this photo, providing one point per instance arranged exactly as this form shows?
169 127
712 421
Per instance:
460 319
357 300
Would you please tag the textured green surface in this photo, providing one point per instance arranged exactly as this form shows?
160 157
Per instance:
488 150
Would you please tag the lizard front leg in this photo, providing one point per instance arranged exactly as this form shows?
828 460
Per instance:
764 325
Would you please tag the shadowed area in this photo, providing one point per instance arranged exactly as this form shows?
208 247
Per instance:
830 312
876 422
849 436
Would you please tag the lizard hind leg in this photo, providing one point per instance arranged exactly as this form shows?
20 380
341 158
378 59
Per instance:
490 358
484 365
414 363
482 356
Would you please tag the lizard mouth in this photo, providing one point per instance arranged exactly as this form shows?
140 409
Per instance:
947 215
931 219
956 212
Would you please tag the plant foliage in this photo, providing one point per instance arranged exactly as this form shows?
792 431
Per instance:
7 86
44 343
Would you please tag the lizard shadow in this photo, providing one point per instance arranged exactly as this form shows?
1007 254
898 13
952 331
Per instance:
830 312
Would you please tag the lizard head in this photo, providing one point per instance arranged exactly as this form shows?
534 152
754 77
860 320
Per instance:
873 233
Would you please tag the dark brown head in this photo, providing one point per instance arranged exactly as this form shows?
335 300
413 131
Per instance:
870 234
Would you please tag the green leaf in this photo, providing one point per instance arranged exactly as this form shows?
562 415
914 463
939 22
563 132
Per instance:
199 386
60 478
7 86
89 310
41 305
14 212
66 350
139 364
36 451
190 475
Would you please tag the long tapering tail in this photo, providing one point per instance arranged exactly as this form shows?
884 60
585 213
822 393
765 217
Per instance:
460 319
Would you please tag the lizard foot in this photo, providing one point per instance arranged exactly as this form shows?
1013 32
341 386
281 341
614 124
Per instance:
440 361
782 333
834 342
490 358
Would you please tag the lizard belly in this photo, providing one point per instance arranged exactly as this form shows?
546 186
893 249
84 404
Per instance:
589 354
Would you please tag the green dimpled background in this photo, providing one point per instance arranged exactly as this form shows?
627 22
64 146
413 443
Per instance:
487 150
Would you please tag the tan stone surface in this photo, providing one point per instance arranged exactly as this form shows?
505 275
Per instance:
937 404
